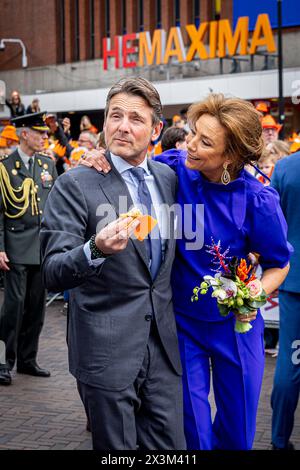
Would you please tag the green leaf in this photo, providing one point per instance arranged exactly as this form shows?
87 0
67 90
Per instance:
250 306
242 327
223 309
244 309
256 304
233 265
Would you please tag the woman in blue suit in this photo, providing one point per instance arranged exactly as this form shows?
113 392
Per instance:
246 217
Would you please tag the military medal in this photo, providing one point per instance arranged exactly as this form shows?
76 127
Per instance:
14 172
18 164
45 176
45 166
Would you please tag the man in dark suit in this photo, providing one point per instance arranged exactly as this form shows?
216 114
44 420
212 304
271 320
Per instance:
122 338
285 394
26 177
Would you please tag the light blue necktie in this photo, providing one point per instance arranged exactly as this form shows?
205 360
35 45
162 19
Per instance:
153 241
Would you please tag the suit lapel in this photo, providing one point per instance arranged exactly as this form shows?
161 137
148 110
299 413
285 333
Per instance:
114 188
163 183
164 187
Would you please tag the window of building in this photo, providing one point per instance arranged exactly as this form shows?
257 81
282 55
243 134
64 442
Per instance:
124 27
140 15
76 31
216 13
62 31
92 28
107 19
177 12
158 14
196 12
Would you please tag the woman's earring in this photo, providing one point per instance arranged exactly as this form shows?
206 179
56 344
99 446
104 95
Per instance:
225 178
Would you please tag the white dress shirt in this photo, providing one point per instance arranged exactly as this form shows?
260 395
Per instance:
25 158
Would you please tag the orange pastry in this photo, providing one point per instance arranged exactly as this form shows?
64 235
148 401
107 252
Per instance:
147 223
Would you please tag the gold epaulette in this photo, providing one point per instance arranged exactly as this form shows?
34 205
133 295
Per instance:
42 154
18 199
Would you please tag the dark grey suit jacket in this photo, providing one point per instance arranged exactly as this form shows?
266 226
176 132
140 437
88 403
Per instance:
109 305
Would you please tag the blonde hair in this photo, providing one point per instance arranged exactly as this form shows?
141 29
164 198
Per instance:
241 121
101 141
279 148
267 156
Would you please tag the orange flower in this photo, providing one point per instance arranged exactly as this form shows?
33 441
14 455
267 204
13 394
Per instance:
243 270
252 278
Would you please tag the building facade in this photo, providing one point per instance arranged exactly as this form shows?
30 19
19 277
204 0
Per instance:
75 50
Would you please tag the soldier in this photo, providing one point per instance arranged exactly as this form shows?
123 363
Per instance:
26 177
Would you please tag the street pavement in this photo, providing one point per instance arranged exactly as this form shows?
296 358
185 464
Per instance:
46 413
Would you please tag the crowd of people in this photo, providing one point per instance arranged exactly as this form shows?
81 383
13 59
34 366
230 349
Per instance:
147 386
66 151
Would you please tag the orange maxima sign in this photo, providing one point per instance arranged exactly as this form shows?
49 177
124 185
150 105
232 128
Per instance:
214 39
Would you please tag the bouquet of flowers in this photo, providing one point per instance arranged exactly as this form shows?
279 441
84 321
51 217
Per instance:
234 286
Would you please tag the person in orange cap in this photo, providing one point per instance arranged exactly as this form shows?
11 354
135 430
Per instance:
295 147
262 108
177 121
10 135
8 139
270 128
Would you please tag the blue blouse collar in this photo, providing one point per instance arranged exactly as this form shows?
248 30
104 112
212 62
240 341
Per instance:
237 190
232 186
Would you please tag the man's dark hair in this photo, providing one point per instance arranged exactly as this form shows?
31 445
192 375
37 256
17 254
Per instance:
141 87
171 136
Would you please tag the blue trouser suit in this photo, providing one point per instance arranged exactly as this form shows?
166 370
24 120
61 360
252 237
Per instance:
237 362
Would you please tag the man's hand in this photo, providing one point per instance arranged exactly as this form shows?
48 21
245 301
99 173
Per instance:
246 318
96 159
114 237
66 123
3 260
51 123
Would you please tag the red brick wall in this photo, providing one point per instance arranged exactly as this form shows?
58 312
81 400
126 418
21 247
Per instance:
34 22
167 14
149 15
131 16
115 17
186 17
69 31
206 8
37 23
227 10
186 11
99 15
84 30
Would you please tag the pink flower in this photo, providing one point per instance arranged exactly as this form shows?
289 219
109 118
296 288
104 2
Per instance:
229 286
255 288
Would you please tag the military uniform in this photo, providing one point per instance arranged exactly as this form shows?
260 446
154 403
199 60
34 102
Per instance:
22 199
